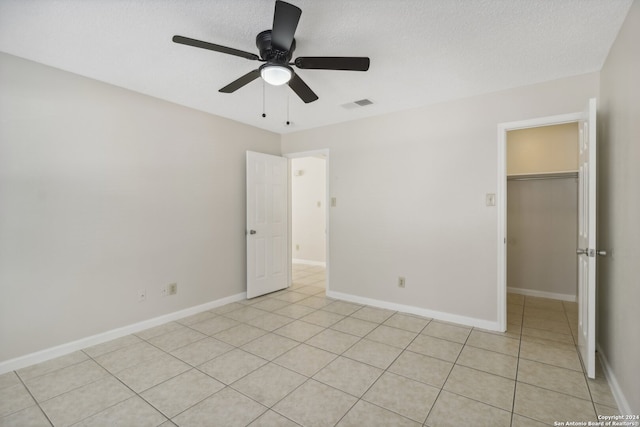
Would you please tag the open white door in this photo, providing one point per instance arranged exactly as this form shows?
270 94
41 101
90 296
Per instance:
587 240
267 224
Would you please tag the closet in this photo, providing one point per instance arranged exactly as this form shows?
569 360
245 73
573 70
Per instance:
542 206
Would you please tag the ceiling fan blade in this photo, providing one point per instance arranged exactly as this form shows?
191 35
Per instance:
215 47
301 89
333 63
244 80
285 22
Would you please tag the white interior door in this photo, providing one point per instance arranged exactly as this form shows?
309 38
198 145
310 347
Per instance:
587 239
267 224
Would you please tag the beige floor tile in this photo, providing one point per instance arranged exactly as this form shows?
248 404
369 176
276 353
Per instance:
547 325
245 314
232 366
240 335
131 412
299 330
447 331
606 410
181 392
315 404
451 410
422 368
146 375
373 353
354 326
514 319
373 314
305 359
316 301
333 341
196 318
270 346
270 322
481 386
322 318
367 414
349 376
85 401
63 380
269 383
543 303
515 299
391 336
600 390
272 419
436 347
407 322
520 421
487 341
127 357
109 346
201 351
552 336
291 296
29 417
342 307
549 406
295 311
14 399
214 325
227 407
270 304
310 290
165 328
488 361
176 339
537 313
553 378
404 396
52 365
9 379
557 355
227 308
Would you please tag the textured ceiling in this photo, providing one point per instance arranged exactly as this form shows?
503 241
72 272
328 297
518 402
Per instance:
422 51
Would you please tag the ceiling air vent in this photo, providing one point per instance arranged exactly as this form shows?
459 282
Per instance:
356 104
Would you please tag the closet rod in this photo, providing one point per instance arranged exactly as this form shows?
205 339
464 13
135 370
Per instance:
533 176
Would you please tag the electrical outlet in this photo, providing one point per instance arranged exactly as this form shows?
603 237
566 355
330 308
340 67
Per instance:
173 288
142 295
401 282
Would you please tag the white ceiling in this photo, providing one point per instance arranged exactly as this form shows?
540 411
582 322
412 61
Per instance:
422 51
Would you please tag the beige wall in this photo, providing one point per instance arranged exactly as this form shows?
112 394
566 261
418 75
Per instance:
543 149
104 192
619 210
308 210
410 190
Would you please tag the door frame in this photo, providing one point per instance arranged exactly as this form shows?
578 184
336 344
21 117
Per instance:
299 154
501 196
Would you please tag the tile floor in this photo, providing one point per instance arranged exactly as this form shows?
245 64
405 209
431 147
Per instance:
297 358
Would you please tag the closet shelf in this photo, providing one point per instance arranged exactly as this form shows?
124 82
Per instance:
542 175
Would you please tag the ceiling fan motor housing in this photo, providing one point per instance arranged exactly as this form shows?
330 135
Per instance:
271 54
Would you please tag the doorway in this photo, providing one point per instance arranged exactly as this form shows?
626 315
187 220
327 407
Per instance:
308 210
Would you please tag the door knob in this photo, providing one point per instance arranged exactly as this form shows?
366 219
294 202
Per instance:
252 231
582 251
601 252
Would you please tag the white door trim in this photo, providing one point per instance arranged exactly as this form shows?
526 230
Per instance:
323 152
501 196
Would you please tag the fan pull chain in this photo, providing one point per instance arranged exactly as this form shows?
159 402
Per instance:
264 114
288 122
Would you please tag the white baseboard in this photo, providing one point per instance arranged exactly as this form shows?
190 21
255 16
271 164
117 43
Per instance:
542 294
437 315
308 262
61 350
623 403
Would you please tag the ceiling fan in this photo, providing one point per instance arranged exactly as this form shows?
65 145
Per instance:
276 48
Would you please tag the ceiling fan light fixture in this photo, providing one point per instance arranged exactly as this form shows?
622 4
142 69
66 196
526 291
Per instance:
276 74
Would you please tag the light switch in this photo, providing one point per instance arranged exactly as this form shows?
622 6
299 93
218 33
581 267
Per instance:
490 199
